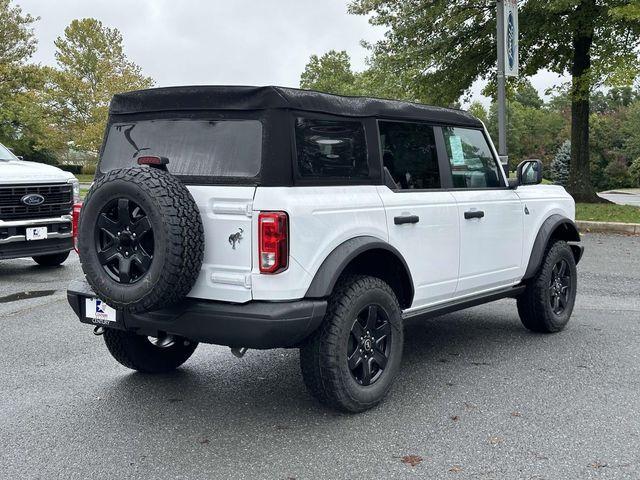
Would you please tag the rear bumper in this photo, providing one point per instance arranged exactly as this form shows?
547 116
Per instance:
254 324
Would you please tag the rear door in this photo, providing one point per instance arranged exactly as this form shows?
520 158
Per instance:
490 214
421 216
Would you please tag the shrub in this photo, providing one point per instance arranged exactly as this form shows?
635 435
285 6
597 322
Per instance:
617 173
560 164
89 169
634 172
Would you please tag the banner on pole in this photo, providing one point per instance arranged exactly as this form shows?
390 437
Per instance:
510 40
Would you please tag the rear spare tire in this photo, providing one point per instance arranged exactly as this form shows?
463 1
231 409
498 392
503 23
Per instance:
140 239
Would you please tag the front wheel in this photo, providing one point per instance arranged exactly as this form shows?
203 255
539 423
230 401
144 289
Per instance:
148 354
52 260
547 303
352 360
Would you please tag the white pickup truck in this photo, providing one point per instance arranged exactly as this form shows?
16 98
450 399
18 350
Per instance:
36 202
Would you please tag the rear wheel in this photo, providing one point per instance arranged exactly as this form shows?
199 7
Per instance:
351 362
547 303
148 354
52 260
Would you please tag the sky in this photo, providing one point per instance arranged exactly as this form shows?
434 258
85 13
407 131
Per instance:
216 42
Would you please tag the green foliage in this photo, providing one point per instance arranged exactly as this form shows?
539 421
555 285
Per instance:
44 111
634 172
560 164
92 67
329 73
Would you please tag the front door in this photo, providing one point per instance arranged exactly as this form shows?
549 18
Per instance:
421 216
489 213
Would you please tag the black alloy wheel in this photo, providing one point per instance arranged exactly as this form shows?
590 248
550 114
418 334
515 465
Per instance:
124 241
560 287
370 344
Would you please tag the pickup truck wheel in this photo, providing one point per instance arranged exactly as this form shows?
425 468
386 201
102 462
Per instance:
351 361
52 260
148 354
141 239
547 303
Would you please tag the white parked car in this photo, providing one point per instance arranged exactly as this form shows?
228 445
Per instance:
265 217
36 203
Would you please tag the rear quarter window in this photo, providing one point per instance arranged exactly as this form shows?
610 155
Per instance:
331 148
204 148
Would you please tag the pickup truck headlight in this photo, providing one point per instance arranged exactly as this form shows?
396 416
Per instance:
76 189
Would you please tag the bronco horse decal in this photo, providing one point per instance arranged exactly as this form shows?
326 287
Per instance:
235 238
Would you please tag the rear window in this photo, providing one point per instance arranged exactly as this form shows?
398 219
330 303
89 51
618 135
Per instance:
220 148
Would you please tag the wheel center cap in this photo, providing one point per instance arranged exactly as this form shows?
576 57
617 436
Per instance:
125 239
367 344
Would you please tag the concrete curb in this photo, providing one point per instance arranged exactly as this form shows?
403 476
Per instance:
609 227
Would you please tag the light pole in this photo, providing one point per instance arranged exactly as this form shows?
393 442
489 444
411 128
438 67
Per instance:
501 97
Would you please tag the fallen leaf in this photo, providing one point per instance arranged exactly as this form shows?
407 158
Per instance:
455 418
455 469
412 460
516 414
469 406
598 465
204 441
495 440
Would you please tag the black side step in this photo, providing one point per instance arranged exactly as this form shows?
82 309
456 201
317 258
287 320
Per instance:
454 306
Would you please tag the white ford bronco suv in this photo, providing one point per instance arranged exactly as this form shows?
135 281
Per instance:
267 217
35 210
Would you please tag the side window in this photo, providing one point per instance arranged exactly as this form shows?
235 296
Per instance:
409 154
472 164
331 148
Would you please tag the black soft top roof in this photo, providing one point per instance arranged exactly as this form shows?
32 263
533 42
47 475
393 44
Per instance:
264 98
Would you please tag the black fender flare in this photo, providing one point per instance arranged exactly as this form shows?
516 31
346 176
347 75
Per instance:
337 261
556 226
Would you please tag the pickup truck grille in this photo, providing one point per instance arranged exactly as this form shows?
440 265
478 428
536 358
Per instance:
58 200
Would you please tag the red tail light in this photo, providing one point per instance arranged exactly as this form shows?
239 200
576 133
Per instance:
273 241
75 222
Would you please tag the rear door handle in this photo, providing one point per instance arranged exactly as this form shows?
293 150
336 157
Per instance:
406 219
473 214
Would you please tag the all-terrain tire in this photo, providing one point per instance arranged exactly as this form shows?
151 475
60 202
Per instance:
323 358
535 303
178 239
138 353
52 260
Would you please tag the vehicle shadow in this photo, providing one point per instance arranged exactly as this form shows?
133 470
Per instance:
265 388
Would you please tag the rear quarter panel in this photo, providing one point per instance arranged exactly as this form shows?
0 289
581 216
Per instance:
320 219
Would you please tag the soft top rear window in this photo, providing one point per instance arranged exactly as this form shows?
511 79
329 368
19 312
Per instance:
194 147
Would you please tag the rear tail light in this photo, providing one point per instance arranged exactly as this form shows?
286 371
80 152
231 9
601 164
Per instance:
273 241
75 222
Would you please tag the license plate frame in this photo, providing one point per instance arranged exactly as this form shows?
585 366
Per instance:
97 312
36 233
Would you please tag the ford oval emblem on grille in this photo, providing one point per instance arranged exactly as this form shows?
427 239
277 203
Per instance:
32 199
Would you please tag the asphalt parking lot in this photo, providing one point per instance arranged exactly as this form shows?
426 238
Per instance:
478 396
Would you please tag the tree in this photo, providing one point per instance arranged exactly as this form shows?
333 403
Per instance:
527 95
329 73
560 164
446 45
17 45
92 67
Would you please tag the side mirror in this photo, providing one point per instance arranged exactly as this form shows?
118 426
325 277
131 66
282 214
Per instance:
20 157
529 172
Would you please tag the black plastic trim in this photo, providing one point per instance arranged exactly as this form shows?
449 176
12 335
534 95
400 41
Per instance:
35 248
256 324
547 230
336 262
461 304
